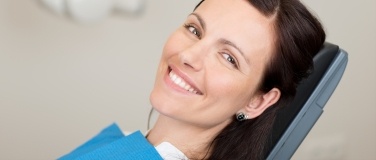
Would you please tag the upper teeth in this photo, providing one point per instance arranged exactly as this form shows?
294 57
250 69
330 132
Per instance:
181 83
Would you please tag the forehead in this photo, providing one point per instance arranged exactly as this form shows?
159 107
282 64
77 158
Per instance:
238 9
241 23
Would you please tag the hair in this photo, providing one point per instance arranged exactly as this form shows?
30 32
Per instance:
299 36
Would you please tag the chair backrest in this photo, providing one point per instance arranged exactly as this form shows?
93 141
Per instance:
295 121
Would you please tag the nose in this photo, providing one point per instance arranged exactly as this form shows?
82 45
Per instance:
194 56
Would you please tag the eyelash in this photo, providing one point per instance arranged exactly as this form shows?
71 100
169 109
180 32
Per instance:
197 33
193 31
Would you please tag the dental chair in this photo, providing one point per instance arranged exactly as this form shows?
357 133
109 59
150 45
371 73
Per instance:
295 121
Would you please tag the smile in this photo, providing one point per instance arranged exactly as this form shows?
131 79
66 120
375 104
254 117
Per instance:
181 83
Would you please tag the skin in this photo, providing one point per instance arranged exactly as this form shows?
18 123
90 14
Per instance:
222 50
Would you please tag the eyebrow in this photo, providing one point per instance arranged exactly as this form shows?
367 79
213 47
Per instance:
200 20
227 42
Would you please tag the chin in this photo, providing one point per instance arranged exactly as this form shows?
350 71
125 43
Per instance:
158 101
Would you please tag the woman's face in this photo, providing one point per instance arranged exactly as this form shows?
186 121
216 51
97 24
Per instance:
212 65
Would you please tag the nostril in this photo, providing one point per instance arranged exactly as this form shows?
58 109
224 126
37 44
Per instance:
188 65
190 60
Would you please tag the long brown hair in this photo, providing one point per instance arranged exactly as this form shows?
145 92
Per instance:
299 37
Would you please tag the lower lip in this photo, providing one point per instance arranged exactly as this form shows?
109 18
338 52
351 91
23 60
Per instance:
174 86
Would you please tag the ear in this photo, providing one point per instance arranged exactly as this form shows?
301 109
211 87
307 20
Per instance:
260 103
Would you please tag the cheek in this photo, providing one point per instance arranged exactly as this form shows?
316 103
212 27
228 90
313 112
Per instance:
170 49
174 44
230 89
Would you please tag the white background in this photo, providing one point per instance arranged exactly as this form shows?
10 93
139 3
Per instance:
61 82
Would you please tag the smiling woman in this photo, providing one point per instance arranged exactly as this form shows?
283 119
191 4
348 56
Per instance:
225 72
230 58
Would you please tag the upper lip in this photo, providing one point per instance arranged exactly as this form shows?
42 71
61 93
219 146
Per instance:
185 77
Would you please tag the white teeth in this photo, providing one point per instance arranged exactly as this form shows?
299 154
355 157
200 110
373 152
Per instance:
181 83
173 77
177 80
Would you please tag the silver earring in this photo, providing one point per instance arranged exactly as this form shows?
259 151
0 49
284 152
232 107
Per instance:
241 116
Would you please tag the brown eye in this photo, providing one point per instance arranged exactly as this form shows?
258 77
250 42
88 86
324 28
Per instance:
193 30
230 59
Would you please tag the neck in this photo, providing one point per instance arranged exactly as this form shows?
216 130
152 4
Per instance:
192 140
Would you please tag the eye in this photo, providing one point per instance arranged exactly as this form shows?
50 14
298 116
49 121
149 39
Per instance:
230 59
193 30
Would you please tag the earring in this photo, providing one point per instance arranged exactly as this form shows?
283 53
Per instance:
241 116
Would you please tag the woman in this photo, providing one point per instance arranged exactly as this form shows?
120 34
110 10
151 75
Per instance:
224 74
231 58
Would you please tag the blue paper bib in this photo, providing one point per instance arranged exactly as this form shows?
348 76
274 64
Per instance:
112 144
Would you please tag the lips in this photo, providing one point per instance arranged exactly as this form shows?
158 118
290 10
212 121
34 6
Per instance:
182 82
